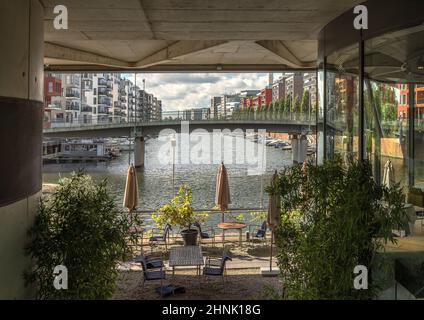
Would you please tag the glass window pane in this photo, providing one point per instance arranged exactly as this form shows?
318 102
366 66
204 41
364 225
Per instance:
342 103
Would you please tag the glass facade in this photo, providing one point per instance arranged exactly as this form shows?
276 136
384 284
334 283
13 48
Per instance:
385 113
371 107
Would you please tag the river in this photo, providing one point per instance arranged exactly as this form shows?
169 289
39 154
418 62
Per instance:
247 173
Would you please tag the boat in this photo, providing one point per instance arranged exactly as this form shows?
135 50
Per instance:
281 144
83 151
271 143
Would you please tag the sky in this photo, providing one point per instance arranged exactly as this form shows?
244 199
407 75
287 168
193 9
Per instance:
179 91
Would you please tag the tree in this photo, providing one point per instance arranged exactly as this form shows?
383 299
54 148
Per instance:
333 218
305 102
78 227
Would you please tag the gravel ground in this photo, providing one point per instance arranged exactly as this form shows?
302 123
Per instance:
245 284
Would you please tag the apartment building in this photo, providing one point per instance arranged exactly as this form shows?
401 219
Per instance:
279 89
246 98
227 100
294 85
310 84
215 103
97 98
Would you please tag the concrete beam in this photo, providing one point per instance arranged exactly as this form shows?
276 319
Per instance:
287 57
146 18
176 50
55 51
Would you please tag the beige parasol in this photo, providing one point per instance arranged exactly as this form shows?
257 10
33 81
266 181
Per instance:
131 190
222 193
388 175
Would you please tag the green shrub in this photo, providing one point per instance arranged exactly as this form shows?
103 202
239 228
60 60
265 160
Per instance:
78 227
333 218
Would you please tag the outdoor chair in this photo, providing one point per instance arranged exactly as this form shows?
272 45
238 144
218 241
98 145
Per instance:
217 267
259 232
205 233
160 236
150 262
150 273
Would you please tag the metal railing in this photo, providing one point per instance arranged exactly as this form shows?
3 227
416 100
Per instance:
232 214
141 117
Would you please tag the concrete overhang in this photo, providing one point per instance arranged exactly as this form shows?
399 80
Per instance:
187 35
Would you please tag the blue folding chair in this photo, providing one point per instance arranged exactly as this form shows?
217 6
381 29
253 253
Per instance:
205 233
150 273
259 232
160 236
217 267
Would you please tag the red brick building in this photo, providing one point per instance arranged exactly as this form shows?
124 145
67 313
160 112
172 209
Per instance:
52 88
403 101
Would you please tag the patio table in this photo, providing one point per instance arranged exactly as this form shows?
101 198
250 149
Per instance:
186 256
231 226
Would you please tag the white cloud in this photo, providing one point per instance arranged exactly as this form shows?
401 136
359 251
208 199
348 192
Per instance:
179 91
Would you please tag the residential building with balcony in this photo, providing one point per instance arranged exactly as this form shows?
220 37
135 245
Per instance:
215 103
226 99
310 85
71 88
279 89
294 86
246 98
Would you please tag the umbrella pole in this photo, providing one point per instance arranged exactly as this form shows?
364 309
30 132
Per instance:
270 256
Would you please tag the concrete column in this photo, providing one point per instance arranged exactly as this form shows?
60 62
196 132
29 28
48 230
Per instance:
139 145
21 116
299 148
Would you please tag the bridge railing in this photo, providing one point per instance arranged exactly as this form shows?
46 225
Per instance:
185 115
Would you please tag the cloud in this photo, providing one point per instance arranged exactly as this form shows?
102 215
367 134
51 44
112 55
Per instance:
179 91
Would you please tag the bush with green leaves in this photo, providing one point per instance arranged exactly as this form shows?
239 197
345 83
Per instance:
179 211
333 218
78 226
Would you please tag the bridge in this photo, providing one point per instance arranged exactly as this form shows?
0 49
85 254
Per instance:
290 123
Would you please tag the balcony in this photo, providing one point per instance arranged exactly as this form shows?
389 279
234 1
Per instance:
118 104
87 85
73 80
102 110
55 105
74 106
105 101
87 76
102 91
73 94
102 82
86 108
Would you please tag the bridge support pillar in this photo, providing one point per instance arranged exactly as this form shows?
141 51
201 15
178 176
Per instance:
21 118
139 146
299 144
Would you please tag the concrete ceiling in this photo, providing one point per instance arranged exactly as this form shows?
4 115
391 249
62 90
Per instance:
188 34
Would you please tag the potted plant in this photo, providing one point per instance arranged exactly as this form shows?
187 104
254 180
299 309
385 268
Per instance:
179 211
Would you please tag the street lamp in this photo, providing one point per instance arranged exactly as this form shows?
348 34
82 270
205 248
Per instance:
173 145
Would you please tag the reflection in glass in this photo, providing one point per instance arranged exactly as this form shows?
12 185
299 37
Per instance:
342 104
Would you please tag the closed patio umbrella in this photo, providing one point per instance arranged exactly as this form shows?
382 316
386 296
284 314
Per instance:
222 192
388 175
131 190
131 202
273 212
